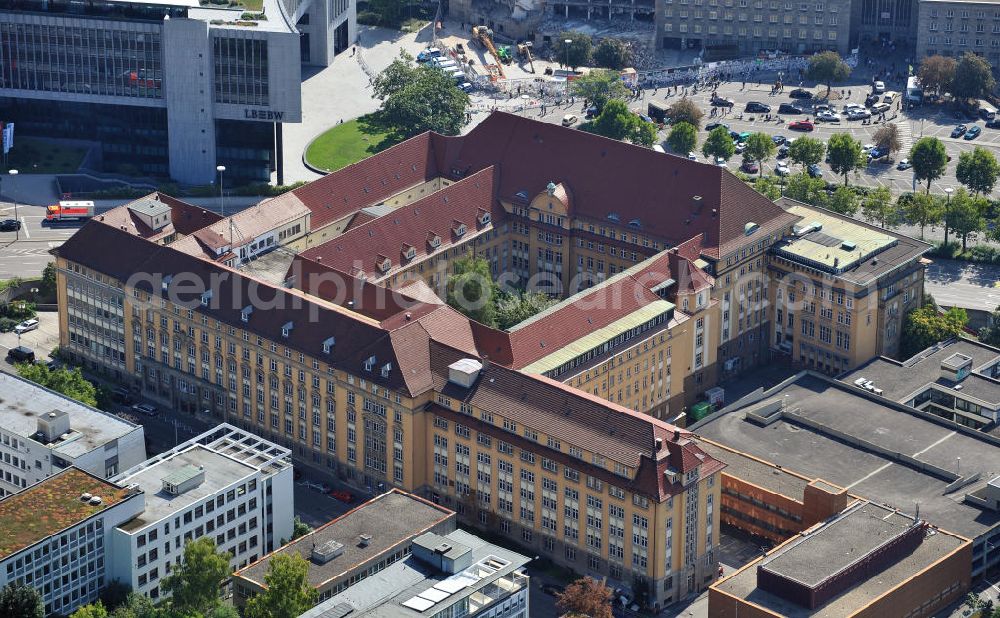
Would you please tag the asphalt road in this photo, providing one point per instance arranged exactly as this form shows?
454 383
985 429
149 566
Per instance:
964 284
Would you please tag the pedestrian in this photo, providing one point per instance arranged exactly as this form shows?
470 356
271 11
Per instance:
353 49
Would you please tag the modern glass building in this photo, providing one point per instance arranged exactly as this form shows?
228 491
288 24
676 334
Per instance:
166 88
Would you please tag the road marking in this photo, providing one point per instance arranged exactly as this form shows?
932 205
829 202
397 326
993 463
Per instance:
868 476
918 453
25 226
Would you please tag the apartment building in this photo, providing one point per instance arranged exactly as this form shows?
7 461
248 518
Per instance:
897 565
54 536
841 290
957 379
731 28
43 432
224 484
954 28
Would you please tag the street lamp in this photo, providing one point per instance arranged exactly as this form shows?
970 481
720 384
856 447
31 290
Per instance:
947 204
222 195
567 43
17 230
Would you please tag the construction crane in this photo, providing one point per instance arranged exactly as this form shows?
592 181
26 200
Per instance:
524 50
485 36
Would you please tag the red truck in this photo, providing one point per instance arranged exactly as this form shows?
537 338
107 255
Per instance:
69 211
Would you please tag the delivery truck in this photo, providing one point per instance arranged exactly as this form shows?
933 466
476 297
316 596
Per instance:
69 211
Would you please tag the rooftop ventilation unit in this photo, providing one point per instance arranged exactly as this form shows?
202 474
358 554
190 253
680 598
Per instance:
321 554
464 372
364 540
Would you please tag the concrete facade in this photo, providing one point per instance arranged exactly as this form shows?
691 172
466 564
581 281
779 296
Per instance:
954 28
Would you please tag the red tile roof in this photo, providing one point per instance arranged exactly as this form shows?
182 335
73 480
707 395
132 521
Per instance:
184 218
361 249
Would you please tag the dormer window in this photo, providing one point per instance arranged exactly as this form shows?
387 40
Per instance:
484 217
383 263
409 252
287 329
328 344
245 313
386 368
459 228
433 240
369 363
166 282
206 297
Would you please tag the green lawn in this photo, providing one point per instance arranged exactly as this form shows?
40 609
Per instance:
345 144
33 156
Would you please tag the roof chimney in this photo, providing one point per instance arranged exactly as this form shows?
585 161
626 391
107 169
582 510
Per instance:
659 444
677 435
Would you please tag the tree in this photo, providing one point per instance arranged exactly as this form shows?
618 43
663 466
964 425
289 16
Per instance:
69 382
759 148
471 290
687 111
887 139
194 585
973 77
287 592
926 326
94 610
806 151
922 209
390 12
805 188
965 215
428 101
683 138
586 597
828 67
929 160
21 601
613 54
598 87
617 122
47 287
845 154
719 144
516 307
300 528
136 606
878 207
936 73
978 170
577 52
768 186
394 77
843 200
990 334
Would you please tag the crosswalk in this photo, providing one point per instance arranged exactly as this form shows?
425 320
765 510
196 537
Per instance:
905 136
24 251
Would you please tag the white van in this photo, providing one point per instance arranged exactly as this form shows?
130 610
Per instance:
445 64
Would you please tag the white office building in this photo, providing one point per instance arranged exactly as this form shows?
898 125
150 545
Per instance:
43 432
226 484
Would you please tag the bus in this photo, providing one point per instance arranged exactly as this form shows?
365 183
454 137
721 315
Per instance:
657 111
914 93
986 111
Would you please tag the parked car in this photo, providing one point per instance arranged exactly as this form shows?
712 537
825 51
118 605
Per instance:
828 116
121 394
879 87
145 409
788 108
876 153
344 496
815 171
904 165
718 101
25 326
721 162
778 139
750 167
994 124
872 99
973 132
591 112
743 137
781 169
569 120
959 131
801 125
800 93
465 87
880 108
756 107
21 354
428 54
715 125
783 151
858 114
740 147
692 156
10 225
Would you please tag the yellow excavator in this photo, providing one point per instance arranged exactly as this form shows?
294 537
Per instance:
524 51
484 36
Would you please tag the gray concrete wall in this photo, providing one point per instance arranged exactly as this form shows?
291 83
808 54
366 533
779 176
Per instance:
187 75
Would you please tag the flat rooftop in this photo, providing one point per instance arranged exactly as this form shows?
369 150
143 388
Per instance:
22 402
822 434
384 594
390 519
855 251
760 473
900 380
220 472
51 505
811 558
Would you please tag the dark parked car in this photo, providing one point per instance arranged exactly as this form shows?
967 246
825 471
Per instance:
718 101
10 225
778 139
799 93
715 125
872 99
788 108
958 131
756 107
815 171
750 167
973 132
21 354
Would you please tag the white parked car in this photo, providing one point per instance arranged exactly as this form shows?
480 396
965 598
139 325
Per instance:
781 169
880 87
26 326
828 116
692 156
721 162
858 114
